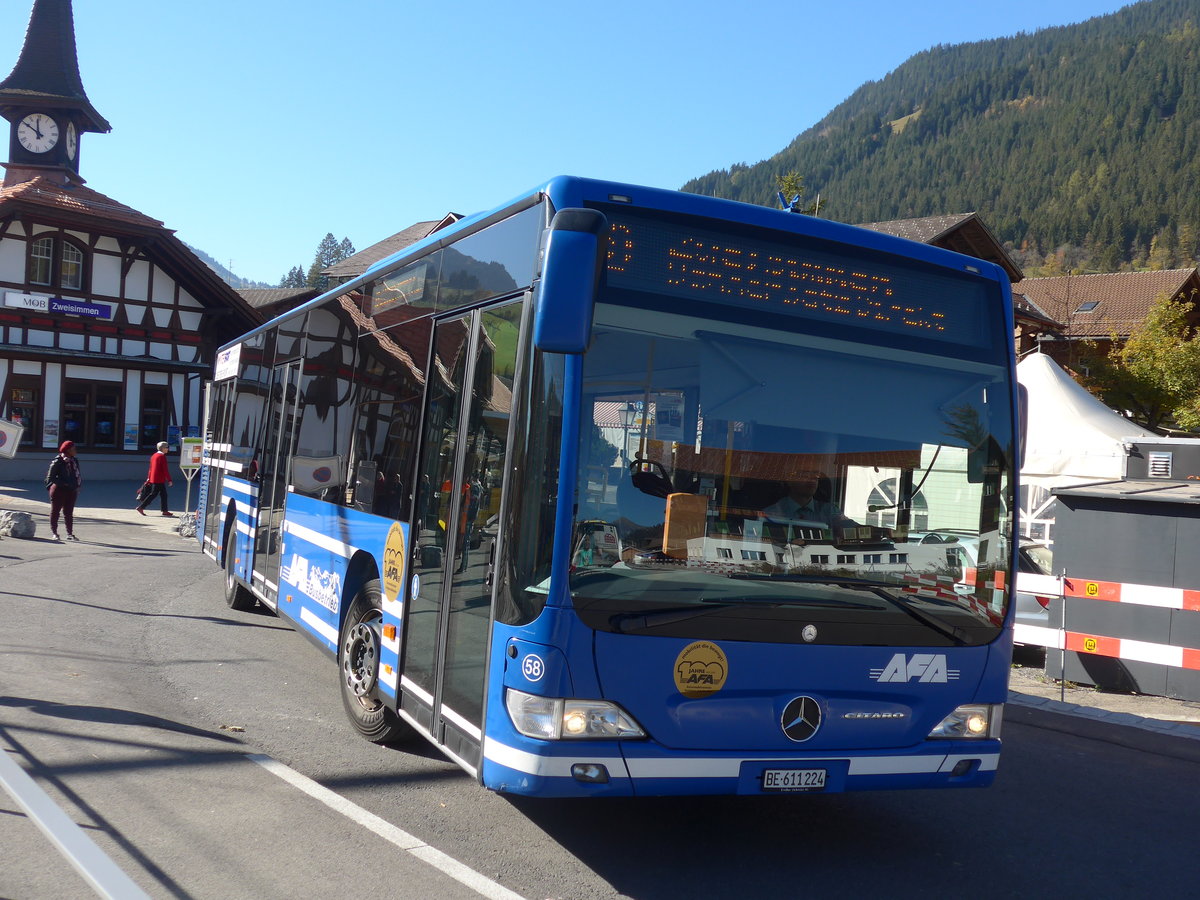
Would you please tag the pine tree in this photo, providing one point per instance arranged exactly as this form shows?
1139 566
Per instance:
294 278
325 256
329 251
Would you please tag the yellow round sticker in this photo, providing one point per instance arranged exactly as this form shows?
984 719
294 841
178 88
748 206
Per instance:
393 563
700 669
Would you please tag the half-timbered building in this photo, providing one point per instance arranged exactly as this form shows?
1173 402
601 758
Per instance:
108 322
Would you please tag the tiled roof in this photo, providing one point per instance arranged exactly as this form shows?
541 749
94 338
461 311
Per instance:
1101 305
75 199
961 232
353 266
1028 313
260 297
926 230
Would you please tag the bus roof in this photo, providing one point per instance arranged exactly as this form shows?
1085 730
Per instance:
565 191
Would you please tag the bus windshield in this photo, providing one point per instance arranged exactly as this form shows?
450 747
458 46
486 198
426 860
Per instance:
746 474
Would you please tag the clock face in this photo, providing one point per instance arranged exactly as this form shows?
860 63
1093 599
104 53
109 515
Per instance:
37 133
72 141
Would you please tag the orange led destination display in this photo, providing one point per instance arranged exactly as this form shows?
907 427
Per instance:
809 282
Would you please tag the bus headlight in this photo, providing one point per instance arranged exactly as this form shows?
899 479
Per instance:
555 718
974 720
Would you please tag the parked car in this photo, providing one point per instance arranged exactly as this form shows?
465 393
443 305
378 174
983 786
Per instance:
1032 608
1032 558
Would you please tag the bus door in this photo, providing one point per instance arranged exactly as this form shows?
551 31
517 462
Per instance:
276 465
449 614
218 410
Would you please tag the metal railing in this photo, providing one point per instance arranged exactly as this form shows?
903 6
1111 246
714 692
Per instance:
100 872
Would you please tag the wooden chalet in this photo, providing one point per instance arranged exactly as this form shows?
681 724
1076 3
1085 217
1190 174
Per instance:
1102 308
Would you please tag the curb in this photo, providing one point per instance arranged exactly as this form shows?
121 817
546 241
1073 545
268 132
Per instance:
1119 721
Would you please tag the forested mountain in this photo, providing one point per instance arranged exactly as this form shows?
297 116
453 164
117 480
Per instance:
1083 139
234 281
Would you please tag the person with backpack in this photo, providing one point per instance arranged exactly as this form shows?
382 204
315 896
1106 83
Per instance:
64 481
159 480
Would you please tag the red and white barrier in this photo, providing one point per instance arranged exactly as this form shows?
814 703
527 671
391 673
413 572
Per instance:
1104 645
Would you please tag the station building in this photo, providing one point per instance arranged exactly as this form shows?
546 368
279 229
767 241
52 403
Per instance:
108 322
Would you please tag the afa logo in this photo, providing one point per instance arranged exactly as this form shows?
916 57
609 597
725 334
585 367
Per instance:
927 668
393 563
700 669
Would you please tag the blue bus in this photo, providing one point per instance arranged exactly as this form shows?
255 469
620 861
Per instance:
617 491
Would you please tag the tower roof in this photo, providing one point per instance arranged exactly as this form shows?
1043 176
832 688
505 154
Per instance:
47 72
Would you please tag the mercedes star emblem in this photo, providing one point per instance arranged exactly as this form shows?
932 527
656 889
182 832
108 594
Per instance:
801 718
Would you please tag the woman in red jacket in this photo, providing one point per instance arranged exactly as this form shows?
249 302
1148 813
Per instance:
160 480
64 483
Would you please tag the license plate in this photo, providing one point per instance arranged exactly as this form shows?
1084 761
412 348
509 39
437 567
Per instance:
793 779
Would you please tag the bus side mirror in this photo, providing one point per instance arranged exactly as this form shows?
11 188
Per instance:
575 256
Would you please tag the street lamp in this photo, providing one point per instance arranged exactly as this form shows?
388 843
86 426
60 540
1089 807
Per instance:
629 416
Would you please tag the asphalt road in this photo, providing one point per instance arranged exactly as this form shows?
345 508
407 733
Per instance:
150 713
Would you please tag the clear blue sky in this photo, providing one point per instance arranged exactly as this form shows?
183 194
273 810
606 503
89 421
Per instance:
253 127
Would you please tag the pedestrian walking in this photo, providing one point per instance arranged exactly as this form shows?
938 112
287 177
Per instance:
159 480
64 482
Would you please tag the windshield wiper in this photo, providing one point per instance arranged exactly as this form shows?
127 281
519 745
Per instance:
623 622
879 589
811 579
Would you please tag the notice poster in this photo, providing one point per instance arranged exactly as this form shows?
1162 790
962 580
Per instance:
191 453
668 417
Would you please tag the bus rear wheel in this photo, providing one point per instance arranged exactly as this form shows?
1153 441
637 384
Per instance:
358 659
236 595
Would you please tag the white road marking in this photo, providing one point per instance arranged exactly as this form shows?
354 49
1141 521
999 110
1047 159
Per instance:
461 873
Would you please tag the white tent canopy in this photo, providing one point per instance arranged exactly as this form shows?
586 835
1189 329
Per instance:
1072 437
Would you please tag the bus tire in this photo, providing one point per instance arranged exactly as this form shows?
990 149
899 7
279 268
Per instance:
236 595
358 664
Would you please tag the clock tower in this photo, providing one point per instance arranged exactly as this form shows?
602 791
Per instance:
44 101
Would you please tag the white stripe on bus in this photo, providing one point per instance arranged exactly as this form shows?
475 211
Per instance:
858 765
533 764
324 629
410 687
248 489
462 724
317 539
239 506
988 762
389 678
545 766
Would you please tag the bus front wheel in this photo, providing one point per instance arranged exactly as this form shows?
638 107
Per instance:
236 595
358 660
